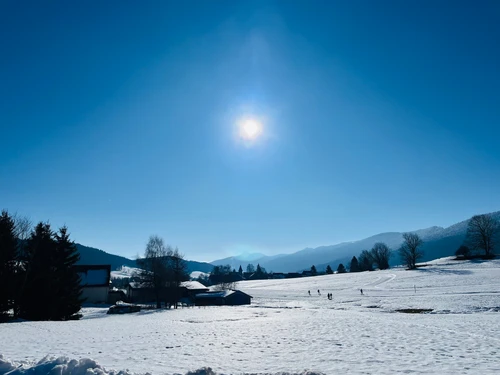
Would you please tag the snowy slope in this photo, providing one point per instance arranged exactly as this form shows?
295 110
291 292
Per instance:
287 330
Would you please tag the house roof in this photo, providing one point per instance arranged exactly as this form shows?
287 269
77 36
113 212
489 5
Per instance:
190 285
221 294
193 285
94 275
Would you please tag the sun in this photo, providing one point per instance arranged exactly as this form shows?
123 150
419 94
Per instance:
250 129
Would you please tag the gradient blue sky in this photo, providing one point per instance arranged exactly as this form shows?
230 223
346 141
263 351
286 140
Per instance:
118 118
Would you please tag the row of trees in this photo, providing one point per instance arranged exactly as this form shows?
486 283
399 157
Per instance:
162 269
379 256
224 277
37 277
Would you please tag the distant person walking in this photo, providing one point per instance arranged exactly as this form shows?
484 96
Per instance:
319 293
361 290
309 292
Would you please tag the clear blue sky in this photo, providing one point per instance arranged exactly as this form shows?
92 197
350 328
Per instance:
118 119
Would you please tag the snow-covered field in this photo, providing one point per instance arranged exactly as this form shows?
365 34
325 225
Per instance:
287 331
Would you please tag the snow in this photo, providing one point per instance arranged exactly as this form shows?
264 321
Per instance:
198 274
124 273
193 285
219 294
287 331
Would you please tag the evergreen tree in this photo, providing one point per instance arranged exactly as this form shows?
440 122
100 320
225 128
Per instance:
37 301
67 280
8 244
341 268
354 265
314 272
240 270
329 270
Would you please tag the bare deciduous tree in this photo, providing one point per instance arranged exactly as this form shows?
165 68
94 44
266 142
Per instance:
381 255
482 233
22 230
222 277
365 261
154 267
178 273
409 250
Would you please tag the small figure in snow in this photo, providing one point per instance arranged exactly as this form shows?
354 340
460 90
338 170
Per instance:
319 292
309 292
361 290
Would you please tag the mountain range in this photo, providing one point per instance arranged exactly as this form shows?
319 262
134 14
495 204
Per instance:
438 242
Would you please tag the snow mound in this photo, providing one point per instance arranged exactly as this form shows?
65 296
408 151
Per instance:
124 273
86 366
56 366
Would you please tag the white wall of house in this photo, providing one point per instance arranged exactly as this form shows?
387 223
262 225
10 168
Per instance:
95 294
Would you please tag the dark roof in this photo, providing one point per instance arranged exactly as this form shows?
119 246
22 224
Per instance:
94 275
221 294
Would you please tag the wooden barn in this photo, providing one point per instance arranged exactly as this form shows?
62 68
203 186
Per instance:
226 297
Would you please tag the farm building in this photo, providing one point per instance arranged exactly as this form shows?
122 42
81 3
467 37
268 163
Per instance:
140 293
225 297
94 280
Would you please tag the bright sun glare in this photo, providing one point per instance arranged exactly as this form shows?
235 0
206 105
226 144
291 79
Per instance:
250 129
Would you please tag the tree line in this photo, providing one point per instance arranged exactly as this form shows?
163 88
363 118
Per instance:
37 277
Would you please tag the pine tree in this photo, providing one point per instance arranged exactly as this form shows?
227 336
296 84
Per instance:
341 268
37 301
314 272
8 244
329 270
354 265
67 280
240 270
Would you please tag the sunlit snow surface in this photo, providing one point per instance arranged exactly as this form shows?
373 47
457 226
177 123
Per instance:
287 331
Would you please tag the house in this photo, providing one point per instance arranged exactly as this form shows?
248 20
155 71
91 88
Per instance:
141 293
94 280
225 297
191 288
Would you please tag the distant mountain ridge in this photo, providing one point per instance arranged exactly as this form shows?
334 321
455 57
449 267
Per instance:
438 242
91 256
